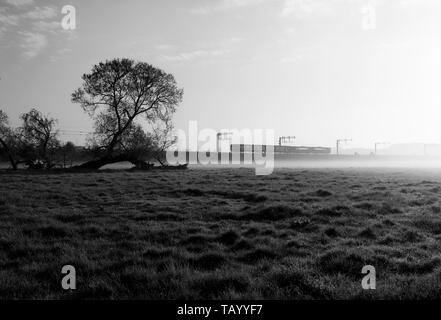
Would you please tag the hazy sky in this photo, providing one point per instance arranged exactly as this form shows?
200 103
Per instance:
306 68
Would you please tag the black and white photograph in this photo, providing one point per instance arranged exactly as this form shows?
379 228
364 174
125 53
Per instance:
227 152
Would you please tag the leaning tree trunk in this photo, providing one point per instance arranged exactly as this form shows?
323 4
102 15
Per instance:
96 164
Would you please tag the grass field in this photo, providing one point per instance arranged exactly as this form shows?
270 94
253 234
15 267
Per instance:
225 233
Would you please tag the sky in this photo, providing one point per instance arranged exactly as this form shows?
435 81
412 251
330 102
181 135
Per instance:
316 69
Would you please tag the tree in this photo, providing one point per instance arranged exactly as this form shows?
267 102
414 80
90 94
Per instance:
119 93
7 139
68 152
38 142
163 139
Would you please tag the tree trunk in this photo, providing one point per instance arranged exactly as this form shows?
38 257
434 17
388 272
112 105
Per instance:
96 164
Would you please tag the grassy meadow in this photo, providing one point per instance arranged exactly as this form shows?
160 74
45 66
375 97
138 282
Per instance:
221 233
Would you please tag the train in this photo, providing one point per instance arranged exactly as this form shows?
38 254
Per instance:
251 148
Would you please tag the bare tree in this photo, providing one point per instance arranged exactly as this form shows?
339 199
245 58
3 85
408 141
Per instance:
68 152
38 139
117 94
7 139
163 138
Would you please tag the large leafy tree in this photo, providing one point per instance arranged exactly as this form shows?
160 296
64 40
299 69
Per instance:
118 94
